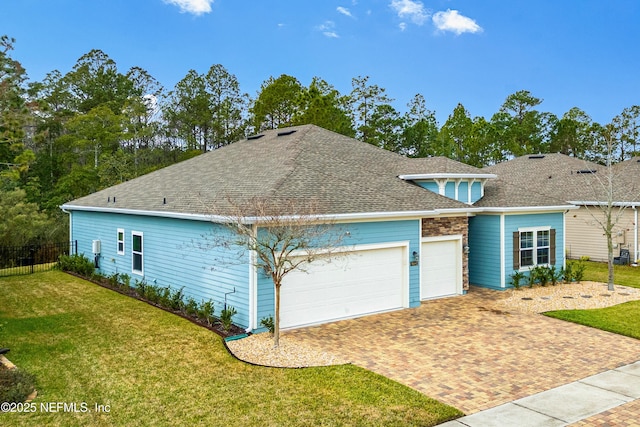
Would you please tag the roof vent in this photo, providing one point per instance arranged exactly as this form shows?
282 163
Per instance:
258 136
586 171
537 156
286 132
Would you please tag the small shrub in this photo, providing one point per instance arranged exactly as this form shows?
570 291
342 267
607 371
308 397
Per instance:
555 275
125 281
567 273
153 294
175 301
164 297
268 323
225 317
15 385
205 311
78 264
191 307
114 280
578 270
532 279
141 288
516 281
542 275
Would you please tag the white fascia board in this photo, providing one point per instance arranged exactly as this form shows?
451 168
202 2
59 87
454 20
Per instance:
175 215
526 209
419 176
616 204
328 217
252 220
471 211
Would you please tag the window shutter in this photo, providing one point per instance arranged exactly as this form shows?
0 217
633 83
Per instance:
552 246
516 250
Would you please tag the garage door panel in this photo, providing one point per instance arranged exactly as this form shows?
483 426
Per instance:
363 282
441 268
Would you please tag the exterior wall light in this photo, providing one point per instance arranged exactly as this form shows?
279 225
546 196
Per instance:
415 259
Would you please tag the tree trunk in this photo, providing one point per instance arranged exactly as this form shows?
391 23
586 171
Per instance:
610 269
609 235
276 323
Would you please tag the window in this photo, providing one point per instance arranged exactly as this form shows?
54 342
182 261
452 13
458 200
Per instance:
120 241
137 264
534 246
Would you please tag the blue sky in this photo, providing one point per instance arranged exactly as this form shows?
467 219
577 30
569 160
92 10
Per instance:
582 53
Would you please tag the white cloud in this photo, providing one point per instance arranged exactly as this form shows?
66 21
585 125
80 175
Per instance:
414 10
344 11
403 26
328 29
197 7
452 21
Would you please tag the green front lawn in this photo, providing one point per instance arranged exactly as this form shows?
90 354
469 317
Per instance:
623 319
622 274
90 346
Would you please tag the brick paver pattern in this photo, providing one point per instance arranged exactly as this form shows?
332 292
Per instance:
627 415
469 354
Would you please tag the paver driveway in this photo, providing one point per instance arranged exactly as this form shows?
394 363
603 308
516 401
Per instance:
467 353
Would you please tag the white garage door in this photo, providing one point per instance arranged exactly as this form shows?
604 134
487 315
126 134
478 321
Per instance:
365 281
441 269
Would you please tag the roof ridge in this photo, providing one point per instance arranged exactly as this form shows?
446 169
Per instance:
304 130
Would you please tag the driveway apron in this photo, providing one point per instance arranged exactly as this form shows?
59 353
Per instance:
467 353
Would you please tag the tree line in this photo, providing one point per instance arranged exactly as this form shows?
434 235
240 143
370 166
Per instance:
72 134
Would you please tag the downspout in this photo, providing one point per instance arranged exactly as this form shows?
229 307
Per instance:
564 239
503 265
70 228
635 234
253 289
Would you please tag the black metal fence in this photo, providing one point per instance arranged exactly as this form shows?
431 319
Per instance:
17 260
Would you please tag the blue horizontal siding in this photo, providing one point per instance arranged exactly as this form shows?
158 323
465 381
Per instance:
359 234
177 253
513 222
484 240
484 255
429 185
450 190
463 192
476 192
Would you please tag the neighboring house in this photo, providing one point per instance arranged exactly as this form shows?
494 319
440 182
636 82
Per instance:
416 228
582 184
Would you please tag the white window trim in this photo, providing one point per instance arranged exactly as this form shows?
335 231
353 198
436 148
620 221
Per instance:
118 241
141 253
535 247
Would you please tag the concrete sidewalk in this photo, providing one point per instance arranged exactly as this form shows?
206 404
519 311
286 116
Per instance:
563 405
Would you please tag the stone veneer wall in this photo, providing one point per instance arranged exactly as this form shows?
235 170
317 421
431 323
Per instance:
446 227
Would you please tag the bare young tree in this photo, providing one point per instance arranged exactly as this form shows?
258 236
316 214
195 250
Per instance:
281 235
612 196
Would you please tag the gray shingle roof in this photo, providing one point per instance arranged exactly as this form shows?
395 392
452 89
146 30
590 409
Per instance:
627 180
343 175
438 165
536 180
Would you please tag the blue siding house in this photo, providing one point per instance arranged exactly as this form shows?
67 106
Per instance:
513 242
413 229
